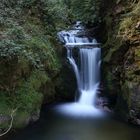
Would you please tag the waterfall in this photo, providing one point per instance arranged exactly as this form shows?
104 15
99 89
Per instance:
89 75
87 72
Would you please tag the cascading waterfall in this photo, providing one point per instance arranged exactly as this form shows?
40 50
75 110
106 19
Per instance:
88 76
87 73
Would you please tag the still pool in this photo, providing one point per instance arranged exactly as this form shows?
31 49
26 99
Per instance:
54 125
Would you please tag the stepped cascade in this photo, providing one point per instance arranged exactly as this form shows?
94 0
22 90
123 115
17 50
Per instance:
87 72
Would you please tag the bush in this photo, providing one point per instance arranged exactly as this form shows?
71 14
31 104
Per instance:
27 56
86 10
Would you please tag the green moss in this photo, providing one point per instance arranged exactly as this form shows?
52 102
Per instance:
21 119
28 96
5 108
137 53
125 24
126 93
27 99
121 49
136 9
109 81
115 45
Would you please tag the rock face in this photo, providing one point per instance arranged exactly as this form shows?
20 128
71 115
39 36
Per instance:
121 58
4 118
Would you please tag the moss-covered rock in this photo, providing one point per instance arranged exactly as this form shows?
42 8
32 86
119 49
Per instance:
121 56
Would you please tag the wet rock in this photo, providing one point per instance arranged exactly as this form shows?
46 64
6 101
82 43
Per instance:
4 118
138 121
119 9
105 108
35 116
133 117
121 61
132 114
102 101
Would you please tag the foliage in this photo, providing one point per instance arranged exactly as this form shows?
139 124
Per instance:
28 57
27 99
128 26
28 94
57 14
86 10
122 54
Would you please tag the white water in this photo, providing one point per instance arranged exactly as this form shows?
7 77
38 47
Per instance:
87 74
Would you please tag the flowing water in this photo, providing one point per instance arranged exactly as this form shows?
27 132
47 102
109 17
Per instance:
87 72
80 120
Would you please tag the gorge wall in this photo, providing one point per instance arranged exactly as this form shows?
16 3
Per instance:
121 57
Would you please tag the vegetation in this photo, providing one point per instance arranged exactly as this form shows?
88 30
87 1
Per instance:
122 54
28 57
86 10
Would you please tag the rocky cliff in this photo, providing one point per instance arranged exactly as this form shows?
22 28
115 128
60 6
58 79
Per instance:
121 57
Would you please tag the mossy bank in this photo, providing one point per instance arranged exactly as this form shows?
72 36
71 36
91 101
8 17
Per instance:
30 60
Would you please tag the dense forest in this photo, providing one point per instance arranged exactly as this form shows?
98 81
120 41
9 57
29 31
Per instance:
33 69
